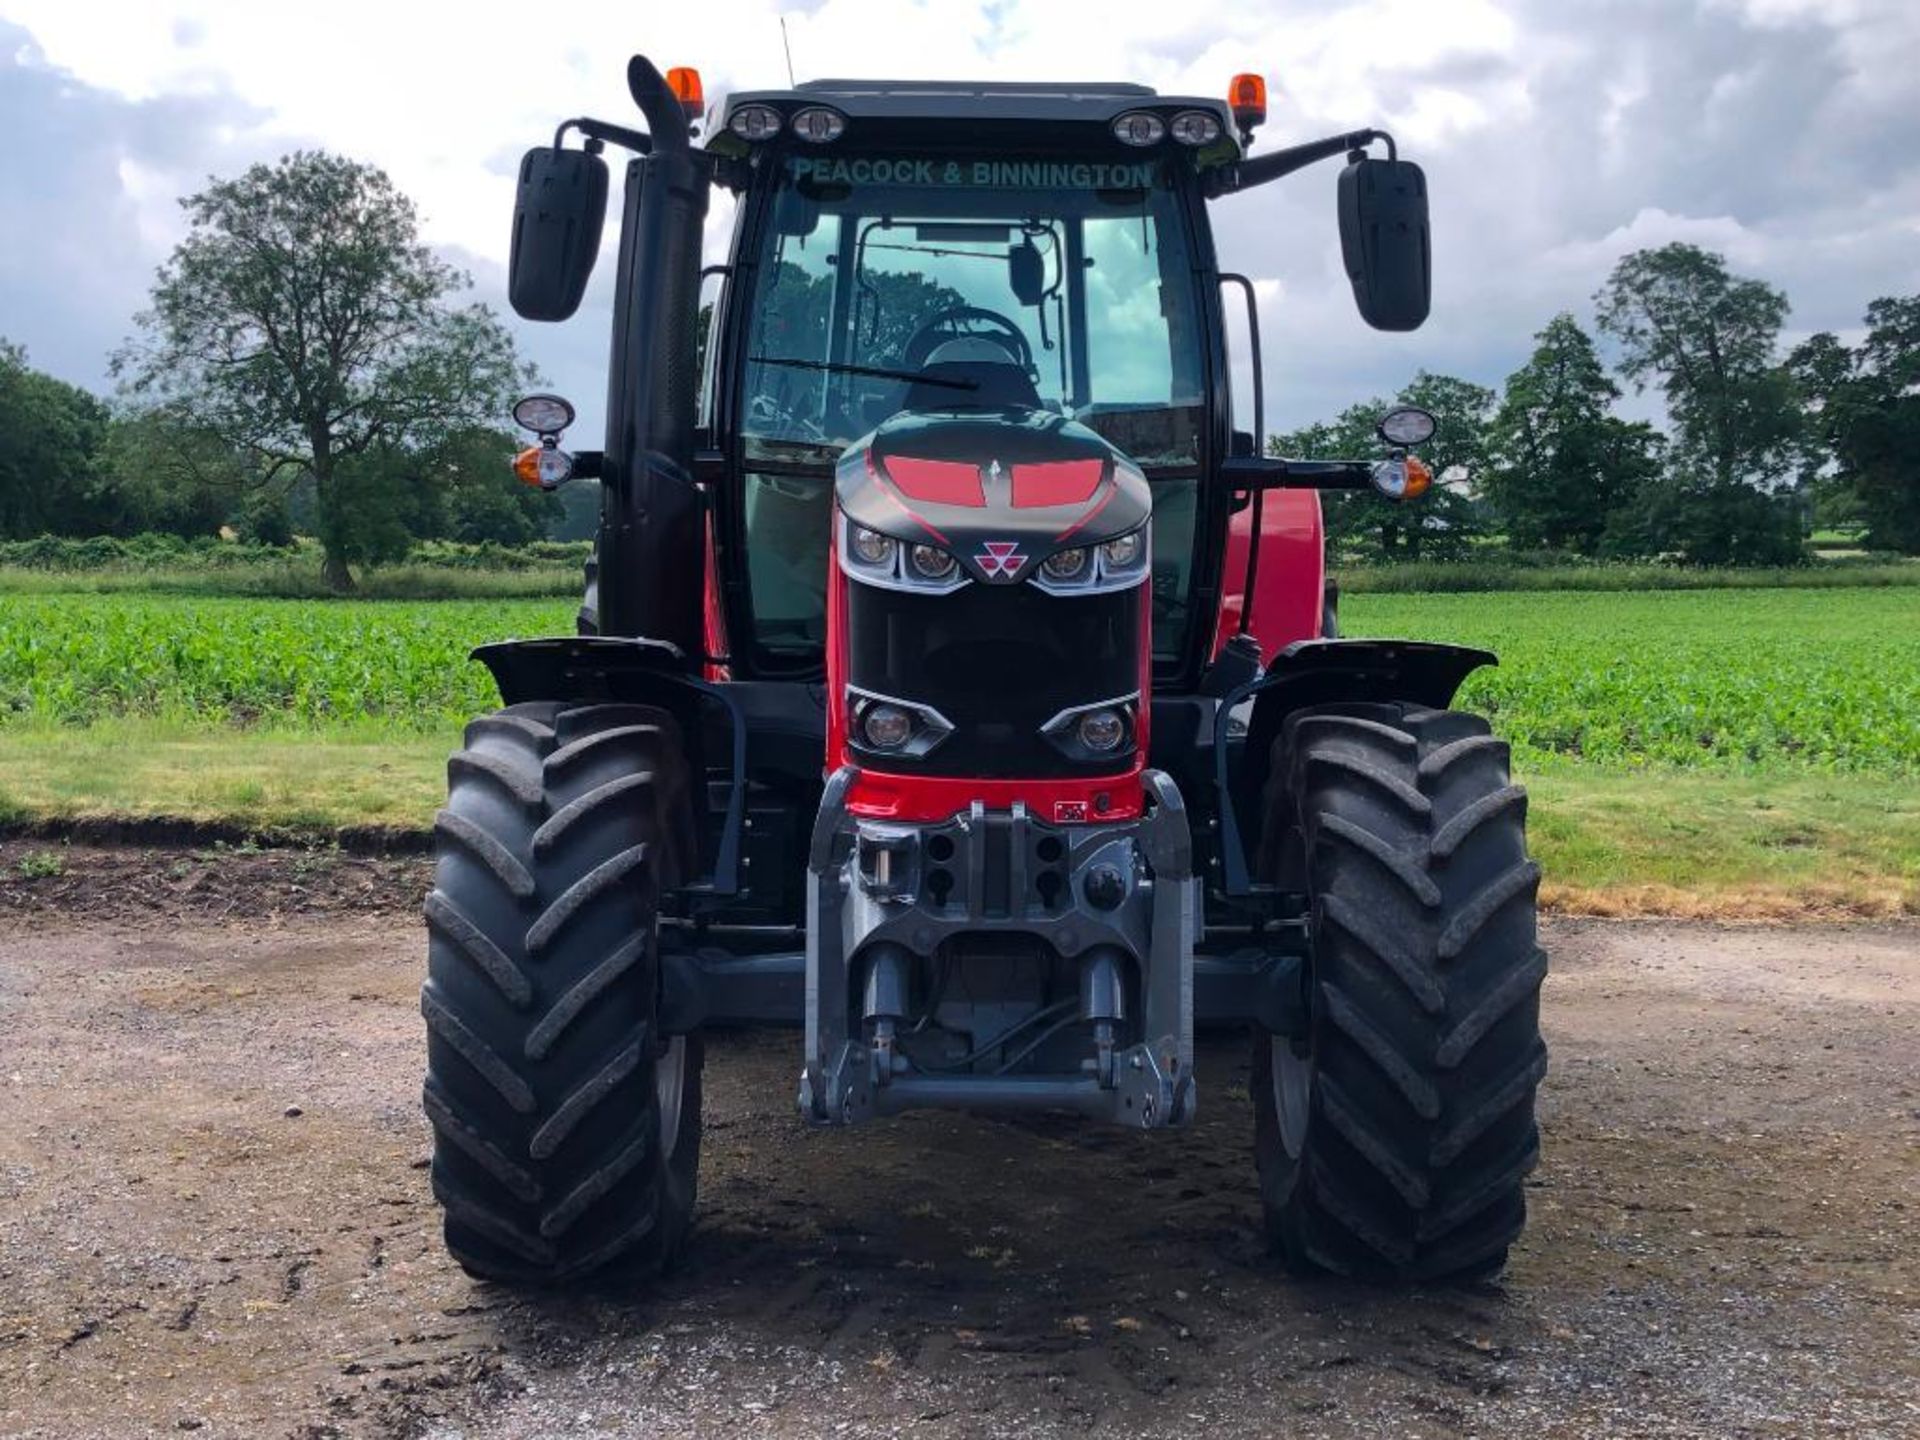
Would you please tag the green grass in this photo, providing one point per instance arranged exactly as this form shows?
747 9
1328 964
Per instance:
1747 752
1833 572
305 784
298 580
1750 845
1796 679
1611 841
170 565
75 659
1810 679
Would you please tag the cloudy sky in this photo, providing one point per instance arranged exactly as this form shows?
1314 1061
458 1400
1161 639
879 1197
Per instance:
1557 134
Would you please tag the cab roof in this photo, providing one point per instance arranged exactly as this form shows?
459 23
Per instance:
910 104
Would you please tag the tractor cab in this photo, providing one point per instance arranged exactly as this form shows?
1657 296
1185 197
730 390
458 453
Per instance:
918 269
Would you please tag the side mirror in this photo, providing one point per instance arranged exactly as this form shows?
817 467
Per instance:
1026 273
1386 242
558 212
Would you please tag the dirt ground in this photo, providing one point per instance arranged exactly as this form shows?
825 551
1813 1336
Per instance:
214 1215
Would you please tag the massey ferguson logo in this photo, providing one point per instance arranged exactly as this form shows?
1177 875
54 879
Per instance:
1000 559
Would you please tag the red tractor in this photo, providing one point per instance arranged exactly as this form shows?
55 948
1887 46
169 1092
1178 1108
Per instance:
957 684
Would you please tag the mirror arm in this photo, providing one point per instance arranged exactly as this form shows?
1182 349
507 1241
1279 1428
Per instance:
601 130
1263 168
1256 473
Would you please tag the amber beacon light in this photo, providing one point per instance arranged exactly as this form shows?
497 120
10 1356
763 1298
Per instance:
1247 98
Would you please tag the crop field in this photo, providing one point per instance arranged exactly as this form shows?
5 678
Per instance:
76 658
1819 678
1721 753
1824 679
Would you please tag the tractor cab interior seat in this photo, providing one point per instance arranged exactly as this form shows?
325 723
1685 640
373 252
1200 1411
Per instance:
997 379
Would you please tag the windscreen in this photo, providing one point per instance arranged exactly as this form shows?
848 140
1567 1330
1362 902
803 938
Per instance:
1077 273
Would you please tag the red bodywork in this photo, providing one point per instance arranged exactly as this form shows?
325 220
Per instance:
932 799
1287 606
1289 590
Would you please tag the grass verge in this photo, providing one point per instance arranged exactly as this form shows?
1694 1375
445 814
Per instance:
1612 841
292 783
1716 845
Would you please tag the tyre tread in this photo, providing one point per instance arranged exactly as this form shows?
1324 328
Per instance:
1406 827
563 826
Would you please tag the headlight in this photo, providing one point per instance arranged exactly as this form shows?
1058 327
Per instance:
899 727
1101 730
872 547
1066 565
1111 565
932 562
893 564
886 727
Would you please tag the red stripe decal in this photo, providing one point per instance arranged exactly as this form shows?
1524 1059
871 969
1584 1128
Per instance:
888 489
1087 518
938 482
1059 482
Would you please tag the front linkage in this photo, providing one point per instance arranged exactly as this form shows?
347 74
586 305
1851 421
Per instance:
1115 900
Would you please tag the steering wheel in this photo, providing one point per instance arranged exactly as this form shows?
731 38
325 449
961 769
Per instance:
954 323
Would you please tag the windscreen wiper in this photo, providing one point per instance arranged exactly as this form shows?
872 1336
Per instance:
916 377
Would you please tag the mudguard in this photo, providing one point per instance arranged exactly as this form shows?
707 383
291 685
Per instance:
1317 672
606 669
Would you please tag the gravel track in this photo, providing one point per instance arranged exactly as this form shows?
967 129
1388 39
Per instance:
214 1219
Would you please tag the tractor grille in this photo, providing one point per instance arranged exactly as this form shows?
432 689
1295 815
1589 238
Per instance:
999 662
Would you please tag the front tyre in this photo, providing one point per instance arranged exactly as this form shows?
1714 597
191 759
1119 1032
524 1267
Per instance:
566 1128
1393 1138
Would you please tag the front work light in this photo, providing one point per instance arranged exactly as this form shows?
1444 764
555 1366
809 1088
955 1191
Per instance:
1139 127
819 124
543 414
755 123
1195 127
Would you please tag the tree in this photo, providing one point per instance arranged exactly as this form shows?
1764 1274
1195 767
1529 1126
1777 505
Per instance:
51 438
1707 338
303 323
578 516
1864 407
1439 525
165 476
1561 464
479 497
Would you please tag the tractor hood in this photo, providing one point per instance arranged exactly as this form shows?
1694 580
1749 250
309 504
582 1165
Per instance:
999 489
